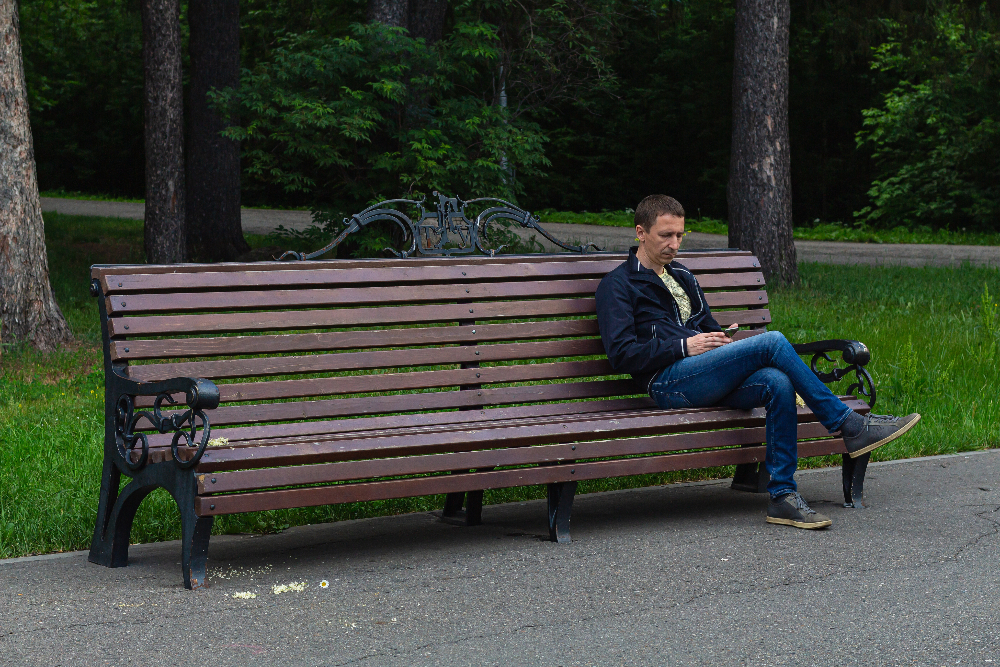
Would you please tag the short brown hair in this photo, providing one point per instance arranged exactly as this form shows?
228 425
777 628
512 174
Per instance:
653 206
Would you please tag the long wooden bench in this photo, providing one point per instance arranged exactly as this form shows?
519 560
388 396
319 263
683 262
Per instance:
322 382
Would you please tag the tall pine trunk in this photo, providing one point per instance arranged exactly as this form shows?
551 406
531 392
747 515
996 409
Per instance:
164 233
214 230
760 185
28 310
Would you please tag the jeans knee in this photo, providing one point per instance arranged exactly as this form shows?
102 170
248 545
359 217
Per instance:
779 386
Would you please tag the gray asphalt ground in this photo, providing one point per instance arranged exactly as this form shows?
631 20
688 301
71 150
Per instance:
263 221
686 574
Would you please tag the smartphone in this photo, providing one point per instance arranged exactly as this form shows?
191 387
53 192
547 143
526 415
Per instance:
731 331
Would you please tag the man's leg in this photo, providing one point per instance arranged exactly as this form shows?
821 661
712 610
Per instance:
771 388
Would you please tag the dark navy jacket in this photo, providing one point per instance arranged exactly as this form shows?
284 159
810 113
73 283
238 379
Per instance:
640 322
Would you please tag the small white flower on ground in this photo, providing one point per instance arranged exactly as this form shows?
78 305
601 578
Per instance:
287 588
324 584
246 595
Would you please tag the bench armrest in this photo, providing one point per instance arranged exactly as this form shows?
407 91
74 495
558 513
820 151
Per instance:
854 353
200 395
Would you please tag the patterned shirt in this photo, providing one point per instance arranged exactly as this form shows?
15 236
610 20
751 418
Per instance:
680 296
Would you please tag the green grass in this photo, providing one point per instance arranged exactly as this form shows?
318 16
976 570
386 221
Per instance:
817 231
934 341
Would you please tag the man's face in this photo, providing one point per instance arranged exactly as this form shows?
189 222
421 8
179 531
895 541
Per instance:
663 239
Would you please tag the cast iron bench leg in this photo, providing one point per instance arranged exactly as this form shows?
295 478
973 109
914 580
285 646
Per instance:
560 506
472 515
854 480
116 512
751 477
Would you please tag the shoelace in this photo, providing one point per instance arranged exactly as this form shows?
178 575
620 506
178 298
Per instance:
881 419
800 503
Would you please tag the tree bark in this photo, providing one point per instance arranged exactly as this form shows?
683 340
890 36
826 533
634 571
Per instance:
393 13
760 186
427 19
164 232
214 231
28 309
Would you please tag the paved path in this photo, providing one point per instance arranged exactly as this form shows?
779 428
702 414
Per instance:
686 574
262 221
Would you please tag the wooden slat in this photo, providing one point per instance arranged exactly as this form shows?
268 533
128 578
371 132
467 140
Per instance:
438 400
363 384
752 299
347 340
163 325
506 435
354 361
263 478
260 433
727 280
743 317
362 491
643 422
99 271
459 291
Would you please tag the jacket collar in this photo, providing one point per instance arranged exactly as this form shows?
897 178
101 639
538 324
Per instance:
637 270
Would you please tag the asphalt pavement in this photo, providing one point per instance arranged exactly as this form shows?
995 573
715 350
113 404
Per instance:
263 221
685 574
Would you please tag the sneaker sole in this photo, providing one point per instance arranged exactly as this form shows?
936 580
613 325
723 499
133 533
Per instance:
812 525
865 450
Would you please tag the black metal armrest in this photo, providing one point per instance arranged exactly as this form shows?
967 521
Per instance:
854 353
200 395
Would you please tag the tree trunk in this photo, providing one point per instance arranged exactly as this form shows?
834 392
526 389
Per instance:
214 231
164 115
427 19
28 310
393 13
760 186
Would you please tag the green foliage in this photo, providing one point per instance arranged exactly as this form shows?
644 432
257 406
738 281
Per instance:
937 136
83 66
376 113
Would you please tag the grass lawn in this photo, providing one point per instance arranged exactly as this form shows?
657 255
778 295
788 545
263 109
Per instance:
825 231
933 334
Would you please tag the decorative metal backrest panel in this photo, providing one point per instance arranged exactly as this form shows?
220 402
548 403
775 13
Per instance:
445 231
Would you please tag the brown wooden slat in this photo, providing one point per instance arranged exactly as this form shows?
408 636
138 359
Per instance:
752 299
362 491
743 317
726 280
503 435
363 384
346 296
263 478
543 433
99 271
439 400
353 361
395 274
347 340
260 433
163 325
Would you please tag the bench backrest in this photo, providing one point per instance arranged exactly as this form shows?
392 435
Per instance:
306 341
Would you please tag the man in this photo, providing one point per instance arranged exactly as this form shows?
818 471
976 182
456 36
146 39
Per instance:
656 326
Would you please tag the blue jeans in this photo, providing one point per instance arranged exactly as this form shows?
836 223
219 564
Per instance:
762 371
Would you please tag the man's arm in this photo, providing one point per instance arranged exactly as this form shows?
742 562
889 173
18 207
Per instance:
617 322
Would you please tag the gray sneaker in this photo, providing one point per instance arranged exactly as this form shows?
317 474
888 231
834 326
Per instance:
878 430
792 510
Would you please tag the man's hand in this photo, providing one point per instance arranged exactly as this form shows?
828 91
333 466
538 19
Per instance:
706 341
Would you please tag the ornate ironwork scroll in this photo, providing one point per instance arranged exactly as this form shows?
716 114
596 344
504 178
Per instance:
444 231
855 354
183 424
